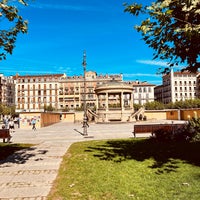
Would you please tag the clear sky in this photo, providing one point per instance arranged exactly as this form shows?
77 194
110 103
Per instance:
59 31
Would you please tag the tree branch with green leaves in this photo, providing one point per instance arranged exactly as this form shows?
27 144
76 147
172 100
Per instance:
13 24
172 30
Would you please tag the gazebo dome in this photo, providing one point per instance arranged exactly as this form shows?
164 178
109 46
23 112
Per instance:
114 85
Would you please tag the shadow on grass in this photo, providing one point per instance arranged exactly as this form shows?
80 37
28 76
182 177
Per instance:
165 155
19 154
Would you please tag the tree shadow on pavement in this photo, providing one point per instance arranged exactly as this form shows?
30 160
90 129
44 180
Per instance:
20 155
164 154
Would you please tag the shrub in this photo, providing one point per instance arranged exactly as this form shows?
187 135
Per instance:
196 138
189 132
193 129
162 135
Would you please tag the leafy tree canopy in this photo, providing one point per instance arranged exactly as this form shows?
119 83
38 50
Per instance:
154 105
12 25
172 29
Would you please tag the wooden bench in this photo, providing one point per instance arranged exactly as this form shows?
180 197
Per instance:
151 128
5 134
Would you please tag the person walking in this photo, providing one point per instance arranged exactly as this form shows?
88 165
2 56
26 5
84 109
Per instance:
6 121
11 125
33 122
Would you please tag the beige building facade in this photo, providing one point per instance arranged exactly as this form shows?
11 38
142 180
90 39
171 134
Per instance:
71 91
35 92
66 93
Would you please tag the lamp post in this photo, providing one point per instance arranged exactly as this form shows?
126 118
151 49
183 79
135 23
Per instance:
85 125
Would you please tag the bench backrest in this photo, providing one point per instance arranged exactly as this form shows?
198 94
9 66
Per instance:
150 128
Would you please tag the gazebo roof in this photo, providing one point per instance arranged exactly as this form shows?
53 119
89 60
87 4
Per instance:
114 85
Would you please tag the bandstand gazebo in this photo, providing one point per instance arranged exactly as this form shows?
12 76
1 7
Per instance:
114 101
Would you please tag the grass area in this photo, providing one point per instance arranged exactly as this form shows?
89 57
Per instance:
129 169
7 149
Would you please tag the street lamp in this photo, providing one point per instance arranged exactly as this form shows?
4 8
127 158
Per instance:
85 125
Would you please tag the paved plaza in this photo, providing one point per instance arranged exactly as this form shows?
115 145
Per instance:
29 173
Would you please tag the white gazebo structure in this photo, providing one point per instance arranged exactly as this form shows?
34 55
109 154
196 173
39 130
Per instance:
114 101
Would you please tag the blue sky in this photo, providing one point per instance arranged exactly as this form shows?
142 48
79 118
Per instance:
59 32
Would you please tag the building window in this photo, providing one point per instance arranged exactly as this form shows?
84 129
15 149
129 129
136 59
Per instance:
149 89
185 88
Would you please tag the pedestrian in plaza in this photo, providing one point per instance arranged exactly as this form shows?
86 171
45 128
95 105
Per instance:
33 122
5 122
11 125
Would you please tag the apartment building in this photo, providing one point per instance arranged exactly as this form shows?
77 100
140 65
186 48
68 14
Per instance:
71 91
7 90
158 93
143 92
177 86
34 92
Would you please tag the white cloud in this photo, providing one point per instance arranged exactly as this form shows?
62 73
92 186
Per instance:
25 72
157 63
58 6
141 75
153 62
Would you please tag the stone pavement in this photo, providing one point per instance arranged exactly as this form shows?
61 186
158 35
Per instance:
29 174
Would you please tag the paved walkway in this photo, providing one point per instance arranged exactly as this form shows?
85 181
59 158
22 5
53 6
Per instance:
29 174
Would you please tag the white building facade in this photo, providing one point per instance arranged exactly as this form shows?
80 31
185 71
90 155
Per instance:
7 90
177 86
143 92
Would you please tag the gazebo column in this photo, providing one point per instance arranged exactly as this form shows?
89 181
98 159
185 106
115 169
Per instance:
122 101
107 108
131 100
97 101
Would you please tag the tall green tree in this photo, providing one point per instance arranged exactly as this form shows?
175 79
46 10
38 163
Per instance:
172 29
12 25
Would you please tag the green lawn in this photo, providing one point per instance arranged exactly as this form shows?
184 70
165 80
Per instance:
129 169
